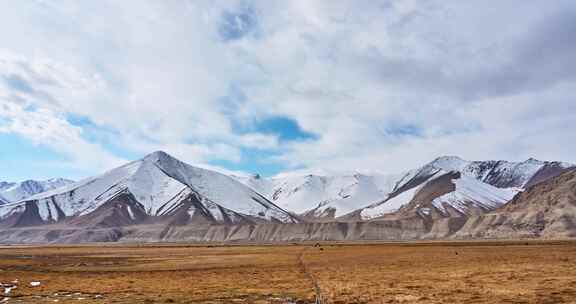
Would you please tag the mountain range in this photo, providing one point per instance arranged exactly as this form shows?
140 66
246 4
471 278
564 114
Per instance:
11 192
447 186
159 198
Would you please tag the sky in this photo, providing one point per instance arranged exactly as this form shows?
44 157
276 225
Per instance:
283 87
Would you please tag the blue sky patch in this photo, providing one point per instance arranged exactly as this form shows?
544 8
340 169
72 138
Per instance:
254 161
22 160
403 130
18 83
287 129
231 103
237 24
101 135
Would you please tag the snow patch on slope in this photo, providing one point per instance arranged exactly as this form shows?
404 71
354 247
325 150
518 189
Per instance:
471 191
391 205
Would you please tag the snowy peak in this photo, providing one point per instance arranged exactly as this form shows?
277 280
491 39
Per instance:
450 163
159 157
219 188
13 192
164 188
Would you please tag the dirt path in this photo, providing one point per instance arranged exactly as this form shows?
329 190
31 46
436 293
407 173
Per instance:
310 275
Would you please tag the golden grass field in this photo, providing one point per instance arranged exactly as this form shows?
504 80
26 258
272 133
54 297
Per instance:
455 272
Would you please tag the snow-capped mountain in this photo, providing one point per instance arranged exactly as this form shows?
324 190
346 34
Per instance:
503 174
159 198
157 187
433 190
452 187
13 192
444 194
323 196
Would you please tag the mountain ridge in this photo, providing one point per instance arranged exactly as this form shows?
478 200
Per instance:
160 198
331 197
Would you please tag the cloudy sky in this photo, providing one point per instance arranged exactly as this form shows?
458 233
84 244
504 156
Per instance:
283 86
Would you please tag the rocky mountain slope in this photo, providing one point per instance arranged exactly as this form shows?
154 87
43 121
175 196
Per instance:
155 189
13 192
545 210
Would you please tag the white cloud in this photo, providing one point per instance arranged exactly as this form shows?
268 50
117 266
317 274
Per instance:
434 66
385 85
44 127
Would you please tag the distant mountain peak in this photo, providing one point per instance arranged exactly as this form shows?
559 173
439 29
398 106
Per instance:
157 156
448 158
12 192
532 160
58 180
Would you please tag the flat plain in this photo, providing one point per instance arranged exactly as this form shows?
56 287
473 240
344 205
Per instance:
433 272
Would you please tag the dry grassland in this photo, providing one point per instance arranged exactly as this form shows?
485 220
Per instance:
456 272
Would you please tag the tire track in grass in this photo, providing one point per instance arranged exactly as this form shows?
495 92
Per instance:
306 270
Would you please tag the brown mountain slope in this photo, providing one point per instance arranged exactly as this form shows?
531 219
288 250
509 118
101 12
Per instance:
545 210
